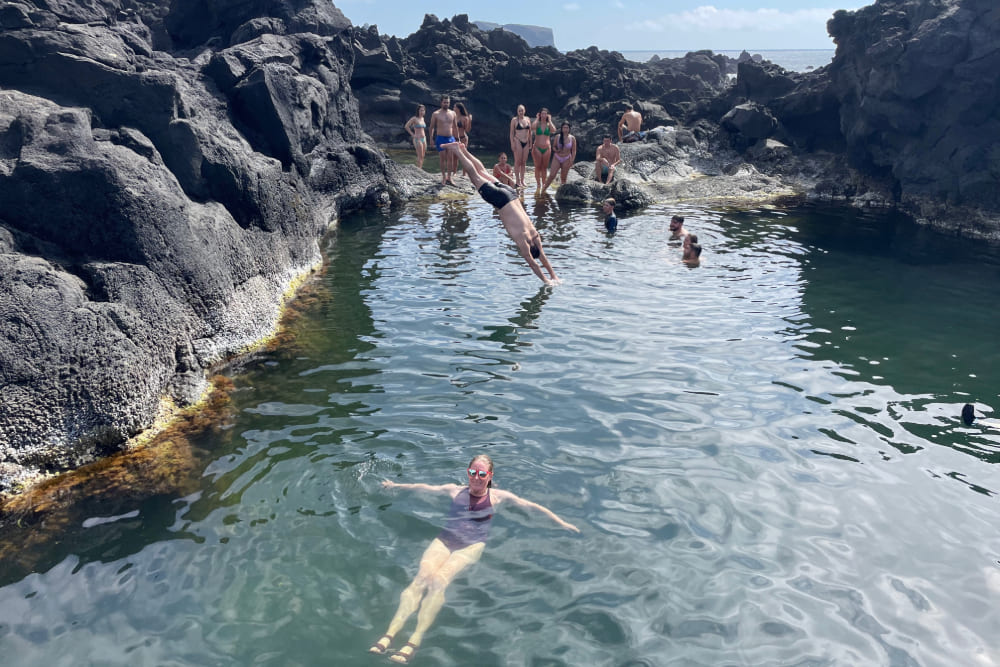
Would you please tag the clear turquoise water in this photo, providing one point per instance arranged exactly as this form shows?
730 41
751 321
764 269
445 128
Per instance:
764 455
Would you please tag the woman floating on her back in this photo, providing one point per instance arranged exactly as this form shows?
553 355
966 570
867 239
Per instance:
459 545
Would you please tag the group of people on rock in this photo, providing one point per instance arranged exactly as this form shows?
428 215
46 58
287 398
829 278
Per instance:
552 150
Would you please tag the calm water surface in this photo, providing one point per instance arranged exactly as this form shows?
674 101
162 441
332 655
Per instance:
764 455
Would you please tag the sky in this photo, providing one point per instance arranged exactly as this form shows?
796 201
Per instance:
629 25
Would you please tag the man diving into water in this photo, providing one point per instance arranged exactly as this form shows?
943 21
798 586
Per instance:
505 200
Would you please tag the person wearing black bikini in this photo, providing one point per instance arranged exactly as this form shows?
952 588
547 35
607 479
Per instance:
520 144
459 544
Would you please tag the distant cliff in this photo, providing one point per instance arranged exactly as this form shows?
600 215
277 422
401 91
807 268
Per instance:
534 35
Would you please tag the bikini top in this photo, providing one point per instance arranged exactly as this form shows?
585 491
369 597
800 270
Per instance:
460 123
538 130
419 125
517 126
566 146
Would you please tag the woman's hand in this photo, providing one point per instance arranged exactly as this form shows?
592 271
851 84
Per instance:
388 484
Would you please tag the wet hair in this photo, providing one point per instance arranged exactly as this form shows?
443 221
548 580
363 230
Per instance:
460 108
484 458
607 136
609 202
536 251
696 249
678 218
968 414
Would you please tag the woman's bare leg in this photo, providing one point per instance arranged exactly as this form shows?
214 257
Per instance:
439 581
435 556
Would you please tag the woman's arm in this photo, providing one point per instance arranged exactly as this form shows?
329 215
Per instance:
573 151
450 489
512 121
521 502
409 126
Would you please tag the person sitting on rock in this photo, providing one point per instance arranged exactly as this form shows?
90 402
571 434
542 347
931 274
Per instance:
629 125
506 201
502 171
607 160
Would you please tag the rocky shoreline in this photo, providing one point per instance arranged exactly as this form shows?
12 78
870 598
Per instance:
167 169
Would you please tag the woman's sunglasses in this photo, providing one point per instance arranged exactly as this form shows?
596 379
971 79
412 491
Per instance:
483 474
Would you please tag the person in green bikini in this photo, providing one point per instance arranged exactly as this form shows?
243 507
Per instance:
542 128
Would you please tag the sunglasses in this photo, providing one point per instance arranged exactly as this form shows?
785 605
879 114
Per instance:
483 474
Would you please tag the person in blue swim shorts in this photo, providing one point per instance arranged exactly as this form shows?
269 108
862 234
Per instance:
459 544
442 128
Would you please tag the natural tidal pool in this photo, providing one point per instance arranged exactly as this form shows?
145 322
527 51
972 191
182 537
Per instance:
764 455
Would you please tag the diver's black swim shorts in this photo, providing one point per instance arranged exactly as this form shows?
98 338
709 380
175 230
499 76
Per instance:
497 194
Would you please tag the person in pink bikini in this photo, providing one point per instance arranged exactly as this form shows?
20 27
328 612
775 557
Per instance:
563 154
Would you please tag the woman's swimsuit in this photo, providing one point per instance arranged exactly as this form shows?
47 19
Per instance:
517 128
567 146
538 131
468 521
421 126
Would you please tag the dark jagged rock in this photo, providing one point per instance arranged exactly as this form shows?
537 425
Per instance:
494 72
166 171
918 93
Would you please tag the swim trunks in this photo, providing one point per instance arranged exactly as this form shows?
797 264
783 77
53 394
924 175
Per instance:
468 521
497 194
440 141
629 136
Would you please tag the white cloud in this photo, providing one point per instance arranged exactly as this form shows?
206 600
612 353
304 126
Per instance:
709 18
572 6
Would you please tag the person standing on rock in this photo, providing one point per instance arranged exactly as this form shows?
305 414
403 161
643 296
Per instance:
629 125
607 160
442 128
542 129
520 144
463 123
505 200
564 152
415 128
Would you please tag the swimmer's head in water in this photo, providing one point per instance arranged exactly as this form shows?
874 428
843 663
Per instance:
536 250
485 461
968 414
676 223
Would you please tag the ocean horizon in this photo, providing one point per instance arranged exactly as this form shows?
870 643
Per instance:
796 60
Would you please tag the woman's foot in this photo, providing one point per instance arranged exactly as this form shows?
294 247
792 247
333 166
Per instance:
405 654
382 645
